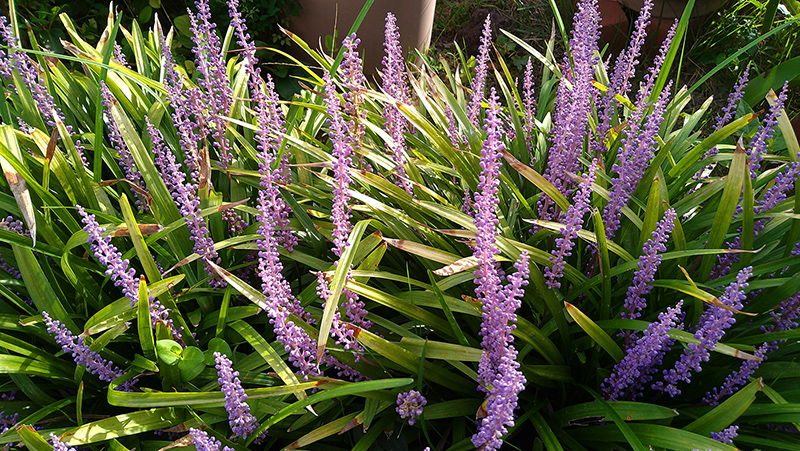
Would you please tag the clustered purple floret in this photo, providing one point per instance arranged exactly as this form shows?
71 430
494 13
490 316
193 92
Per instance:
479 79
641 360
27 70
121 273
203 442
342 161
216 93
107 254
759 146
619 82
710 330
573 222
58 445
785 318
409 405
573 105
273 212
126 160
528 107
81 352
395 85
634 156
727 435
648 264
183 190
498 370
242 422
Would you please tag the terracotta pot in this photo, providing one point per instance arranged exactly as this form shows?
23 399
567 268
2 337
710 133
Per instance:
670 9
319 17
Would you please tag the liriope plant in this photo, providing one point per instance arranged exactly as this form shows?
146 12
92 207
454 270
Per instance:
452 258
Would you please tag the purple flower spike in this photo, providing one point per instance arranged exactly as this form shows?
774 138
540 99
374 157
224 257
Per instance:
759 146
81 353
634 157
108 255
395 85
58 445
352 75
733 99
269 134
785 318
498 369
216 91
120 272
27 69
242 422
710 330
125 158
203 442
528 106
479 80
573 105
639 363
573 223
726 436
648 264
342 154
409 405
184 195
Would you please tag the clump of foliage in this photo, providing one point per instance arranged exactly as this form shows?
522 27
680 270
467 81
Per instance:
195 262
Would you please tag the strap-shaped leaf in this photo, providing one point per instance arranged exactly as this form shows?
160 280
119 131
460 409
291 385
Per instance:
595 332
337 284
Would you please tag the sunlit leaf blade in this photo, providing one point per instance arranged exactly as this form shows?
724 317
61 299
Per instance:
594 331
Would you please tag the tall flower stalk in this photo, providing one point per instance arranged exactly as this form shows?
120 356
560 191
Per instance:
713 323
396 85
642 359
479 79
121 273
573 105
498 370
217 94
242 422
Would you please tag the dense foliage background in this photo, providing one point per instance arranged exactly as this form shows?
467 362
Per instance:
188 259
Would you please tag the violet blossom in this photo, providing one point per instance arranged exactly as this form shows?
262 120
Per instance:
409 405
396 86
634 156
273 213
479 80
710 330
648 264
27 70
573 223
121 273
342 154
217 94
242 422
759 146
58 445
81 352
184 195
573 105
641 359
785 318
498 370
624 70
351 73
204 442
126 160
528 107
727 435
269 118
